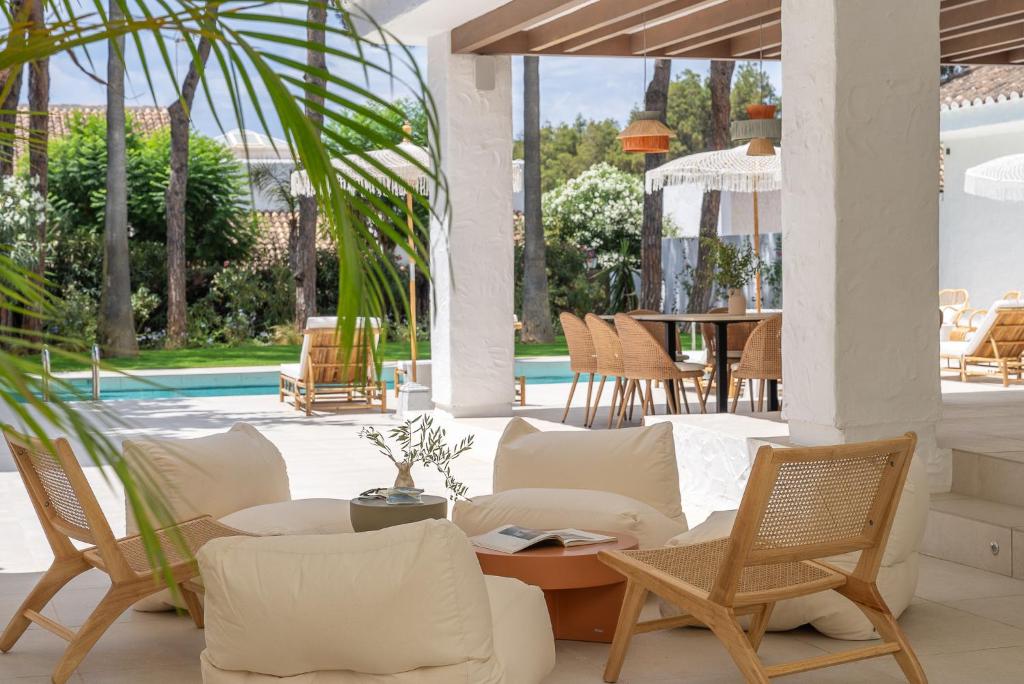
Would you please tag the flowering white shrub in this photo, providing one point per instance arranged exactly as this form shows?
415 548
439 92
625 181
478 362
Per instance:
597 210
21 209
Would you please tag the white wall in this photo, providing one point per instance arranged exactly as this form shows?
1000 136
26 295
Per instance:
981 240
682 205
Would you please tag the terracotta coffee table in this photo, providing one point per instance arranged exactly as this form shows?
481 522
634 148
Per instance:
583 594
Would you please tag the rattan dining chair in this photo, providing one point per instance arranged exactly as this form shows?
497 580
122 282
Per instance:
582 357
644 360
800 505
68 510
761 360
609 363
738 334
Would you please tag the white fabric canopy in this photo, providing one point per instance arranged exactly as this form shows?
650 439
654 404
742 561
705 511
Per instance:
731 170
1000 179
407 163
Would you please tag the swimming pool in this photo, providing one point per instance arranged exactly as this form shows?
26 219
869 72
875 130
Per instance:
233 382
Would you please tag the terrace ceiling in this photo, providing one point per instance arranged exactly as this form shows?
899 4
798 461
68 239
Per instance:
972 31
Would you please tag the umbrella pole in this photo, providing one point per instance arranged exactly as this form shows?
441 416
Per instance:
412 284
757 250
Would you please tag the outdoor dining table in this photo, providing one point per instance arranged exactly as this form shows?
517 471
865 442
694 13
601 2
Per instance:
721 321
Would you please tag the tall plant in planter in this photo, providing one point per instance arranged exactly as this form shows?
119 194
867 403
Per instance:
734 266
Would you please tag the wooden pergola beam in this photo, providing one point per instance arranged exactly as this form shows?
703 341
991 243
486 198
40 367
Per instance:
757 42
991 14
754 26
712 20
981 27
983 42
507 20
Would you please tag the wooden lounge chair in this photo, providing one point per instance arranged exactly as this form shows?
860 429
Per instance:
996 343
952 302
800 505
761 360
68 510
323 376
582 358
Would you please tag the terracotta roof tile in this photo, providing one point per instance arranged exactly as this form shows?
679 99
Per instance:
147 120
982 85
272 241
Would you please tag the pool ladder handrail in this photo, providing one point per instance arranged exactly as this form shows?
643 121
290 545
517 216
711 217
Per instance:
45 380
95 358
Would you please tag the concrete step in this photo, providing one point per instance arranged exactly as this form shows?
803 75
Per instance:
977 532
997 477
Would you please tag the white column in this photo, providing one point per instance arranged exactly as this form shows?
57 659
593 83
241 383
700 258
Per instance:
860 222
472 345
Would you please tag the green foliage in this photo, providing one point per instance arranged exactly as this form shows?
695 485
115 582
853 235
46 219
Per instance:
750 85
21 207
734 265
74 318
622 295
343 140
689 113
571 286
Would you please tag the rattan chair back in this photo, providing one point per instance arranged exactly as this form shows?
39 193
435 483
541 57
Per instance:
582 355
658 330
643 357
808 503
738 334
606 345
954 298
762 355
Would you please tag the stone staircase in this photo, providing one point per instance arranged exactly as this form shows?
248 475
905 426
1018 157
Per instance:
980 522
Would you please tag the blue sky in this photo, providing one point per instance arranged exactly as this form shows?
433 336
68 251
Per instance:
596 88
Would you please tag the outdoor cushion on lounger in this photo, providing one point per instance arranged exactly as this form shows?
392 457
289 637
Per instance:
828 612
405 604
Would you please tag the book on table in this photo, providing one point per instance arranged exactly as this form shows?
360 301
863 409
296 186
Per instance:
512 538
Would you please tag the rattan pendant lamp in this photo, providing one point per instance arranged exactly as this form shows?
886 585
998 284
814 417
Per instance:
646 134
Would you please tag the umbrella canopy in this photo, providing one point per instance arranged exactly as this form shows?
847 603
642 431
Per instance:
246 144
731 170
1000 179
406 160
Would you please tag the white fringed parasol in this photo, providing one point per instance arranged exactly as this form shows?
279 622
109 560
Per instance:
726 170
730 170
1000 179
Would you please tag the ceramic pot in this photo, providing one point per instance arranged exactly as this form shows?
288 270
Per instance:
404 479
737 303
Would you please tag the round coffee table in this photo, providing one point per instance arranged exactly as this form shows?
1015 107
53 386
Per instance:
583 594
376 514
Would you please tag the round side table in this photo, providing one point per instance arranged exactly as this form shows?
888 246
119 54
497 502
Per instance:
583 594
376 514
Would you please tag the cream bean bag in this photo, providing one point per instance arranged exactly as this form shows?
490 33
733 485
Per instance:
828 612
623 481
236 476
405 604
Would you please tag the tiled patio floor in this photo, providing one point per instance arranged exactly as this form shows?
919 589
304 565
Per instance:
966 624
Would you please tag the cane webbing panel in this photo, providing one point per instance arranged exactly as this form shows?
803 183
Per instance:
194 534
822 501
60 495
698 565
582 355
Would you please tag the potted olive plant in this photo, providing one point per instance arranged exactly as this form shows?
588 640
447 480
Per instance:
734 265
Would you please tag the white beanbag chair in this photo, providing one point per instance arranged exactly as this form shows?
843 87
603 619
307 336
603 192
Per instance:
405 604
639 463
828 612
556 508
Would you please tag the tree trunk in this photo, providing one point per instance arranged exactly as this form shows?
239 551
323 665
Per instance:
718 139
9 107
117 324
38 153
537 325
304 262
655 100
179 113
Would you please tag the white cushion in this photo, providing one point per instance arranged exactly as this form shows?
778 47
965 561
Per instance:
953 349
980 336
291 370
556 508
636 462
523 641
299 516
213 475
829 612
380 603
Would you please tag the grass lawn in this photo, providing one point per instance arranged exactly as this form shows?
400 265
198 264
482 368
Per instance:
271 355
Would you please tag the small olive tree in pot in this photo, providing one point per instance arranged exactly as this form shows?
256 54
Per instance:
734 266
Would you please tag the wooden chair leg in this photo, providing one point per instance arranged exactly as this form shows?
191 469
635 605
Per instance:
619 392
648 399
701 397
590 391
193 605
588 420
114 603
632 605
53 580
736 643
572 390
711 380
736 394
751 384
627 400
760 395
671 397
887 627
759 624
682 392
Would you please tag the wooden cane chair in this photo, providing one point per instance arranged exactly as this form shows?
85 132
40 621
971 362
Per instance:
952 302
1012 294
582 357
644 360
326 374
996 344
800 505
761 360
738 334
609 363
68 510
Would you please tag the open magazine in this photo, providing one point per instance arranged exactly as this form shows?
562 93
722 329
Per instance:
512 538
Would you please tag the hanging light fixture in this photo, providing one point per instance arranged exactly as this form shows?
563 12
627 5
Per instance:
646 134
761 128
